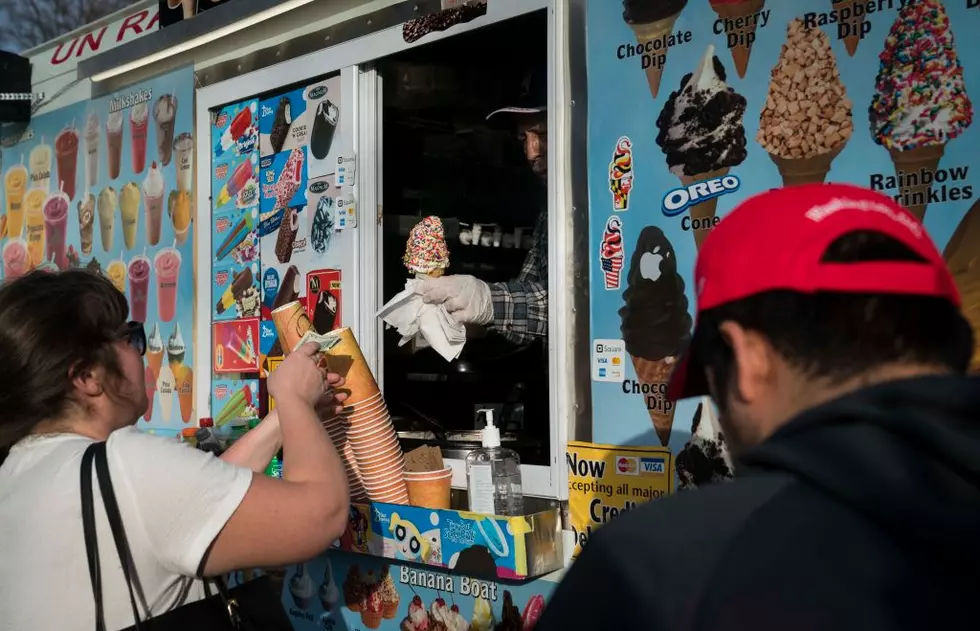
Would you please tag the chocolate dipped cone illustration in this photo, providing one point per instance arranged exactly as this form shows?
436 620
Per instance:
740 25
652 21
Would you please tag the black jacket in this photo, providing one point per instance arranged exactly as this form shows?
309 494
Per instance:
863 514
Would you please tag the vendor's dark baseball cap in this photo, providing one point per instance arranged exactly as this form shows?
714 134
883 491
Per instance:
776 241
531 97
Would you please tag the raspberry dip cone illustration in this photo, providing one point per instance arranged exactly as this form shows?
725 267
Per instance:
920 101
426 254
853 24
656 325
740 27
807 119
701 133
653 20
962 255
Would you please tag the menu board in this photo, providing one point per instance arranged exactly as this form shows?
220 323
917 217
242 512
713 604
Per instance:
695 106
342 590
107 185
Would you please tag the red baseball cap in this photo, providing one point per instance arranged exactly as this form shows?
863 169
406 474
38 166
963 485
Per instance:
776 240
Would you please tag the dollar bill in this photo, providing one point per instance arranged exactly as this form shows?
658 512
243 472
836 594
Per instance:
326 341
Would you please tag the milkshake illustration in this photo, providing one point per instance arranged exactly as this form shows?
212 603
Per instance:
737 17
705 458
165 392
34 223
116 271
154 351
55 226
962 255
39 164
807 119
129 209
164 113
139 281
153 192
86 221
621 174
301 587
92 137
656 325
184 153
113 141
107 213
702 135
179 209
15 187
652 23
920 100
16 258
138 118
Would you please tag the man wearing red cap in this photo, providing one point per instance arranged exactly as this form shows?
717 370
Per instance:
829 335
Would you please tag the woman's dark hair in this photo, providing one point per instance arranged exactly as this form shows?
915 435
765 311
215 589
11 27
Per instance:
52 327
838 336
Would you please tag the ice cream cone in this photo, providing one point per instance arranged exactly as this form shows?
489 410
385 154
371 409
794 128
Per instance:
733 11
706 210
914 162
654 374
962 255
853 24
805 170
647 33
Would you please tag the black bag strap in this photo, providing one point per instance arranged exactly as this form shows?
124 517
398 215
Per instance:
97 452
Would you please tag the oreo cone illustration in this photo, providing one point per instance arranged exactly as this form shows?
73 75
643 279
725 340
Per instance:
702 135
853 24
808 117
962 255
656 324
920 100
652 21
705 458
740 26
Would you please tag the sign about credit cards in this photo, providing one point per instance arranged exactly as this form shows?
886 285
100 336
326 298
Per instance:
606 481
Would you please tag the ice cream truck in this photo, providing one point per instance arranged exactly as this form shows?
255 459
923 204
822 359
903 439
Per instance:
559 161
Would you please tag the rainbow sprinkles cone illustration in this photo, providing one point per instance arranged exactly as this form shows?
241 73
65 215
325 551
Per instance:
656 324
652 22
920 100
740 20
807 119
702 135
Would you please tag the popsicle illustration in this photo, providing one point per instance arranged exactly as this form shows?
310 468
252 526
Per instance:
239 178
242 281
234 407
621 173
236 236
239 125
243 349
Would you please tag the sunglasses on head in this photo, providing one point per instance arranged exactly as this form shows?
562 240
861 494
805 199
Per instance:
135 335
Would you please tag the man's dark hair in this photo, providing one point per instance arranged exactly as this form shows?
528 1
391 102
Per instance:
53 327
838 336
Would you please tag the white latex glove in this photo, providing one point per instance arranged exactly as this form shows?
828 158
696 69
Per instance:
465 297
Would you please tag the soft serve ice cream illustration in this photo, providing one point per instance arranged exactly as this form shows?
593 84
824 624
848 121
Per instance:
301 587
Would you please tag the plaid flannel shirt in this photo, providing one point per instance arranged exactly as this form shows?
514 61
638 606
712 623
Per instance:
520 306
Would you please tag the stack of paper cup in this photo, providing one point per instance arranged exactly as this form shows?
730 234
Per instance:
379 457
337 428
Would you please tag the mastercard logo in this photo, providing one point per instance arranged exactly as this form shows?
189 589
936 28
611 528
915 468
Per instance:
627 466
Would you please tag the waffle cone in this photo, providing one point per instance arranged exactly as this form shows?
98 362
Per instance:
655 373
914 161
734 10
707 209
854 24
805 170
647 33
962 255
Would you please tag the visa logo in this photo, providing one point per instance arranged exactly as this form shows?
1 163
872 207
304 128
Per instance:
603 360
602 372
652 466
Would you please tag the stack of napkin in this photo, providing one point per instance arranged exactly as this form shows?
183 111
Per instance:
427 325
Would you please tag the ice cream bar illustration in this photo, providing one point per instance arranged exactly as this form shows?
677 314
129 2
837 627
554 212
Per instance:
426 253
656 324
239 178
705 458
287 235
611 252
702 135
807 119
289 179
239 125
288 288
281 124
920 100
234 407
245 225
621 174
241 281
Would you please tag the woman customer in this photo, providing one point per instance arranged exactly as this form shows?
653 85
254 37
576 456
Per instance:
71 372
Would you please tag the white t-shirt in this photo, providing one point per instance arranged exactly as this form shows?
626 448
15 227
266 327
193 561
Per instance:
174 501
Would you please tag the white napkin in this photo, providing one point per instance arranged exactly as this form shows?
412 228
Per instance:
428 325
